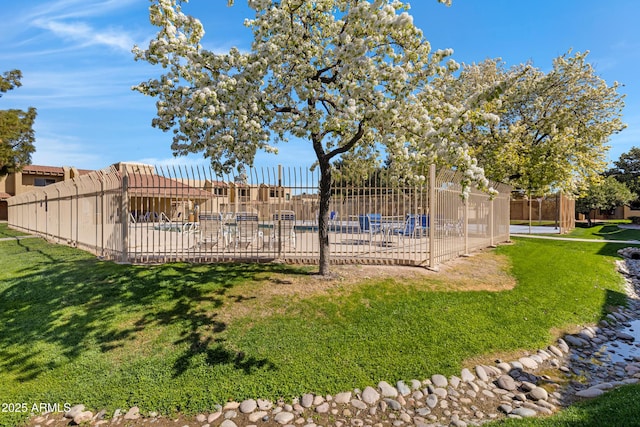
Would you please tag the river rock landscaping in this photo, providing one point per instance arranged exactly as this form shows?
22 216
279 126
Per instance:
579 366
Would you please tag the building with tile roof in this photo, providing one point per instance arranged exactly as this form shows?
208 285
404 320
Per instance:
33 176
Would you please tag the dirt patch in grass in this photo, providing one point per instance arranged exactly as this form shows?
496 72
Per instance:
483 271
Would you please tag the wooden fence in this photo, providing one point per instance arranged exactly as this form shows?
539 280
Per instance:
137 213
556 208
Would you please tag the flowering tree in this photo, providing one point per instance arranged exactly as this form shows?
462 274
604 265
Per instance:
16 129
607 194
551 129
627 171
349 76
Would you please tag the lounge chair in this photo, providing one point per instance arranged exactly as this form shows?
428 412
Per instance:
411 228
211 230
283 228
371 224
247 232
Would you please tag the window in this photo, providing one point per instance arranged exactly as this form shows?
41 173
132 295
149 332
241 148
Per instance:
275 192
244 194
42 182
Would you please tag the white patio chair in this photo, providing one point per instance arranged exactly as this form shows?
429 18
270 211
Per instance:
212 231
283 229
247 232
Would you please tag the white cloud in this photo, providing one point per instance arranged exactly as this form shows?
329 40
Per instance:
60 150
87 35
73 9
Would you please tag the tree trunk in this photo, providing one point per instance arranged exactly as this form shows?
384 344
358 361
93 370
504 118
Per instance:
323 215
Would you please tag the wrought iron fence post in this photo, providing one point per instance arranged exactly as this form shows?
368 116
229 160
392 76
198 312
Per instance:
280 211
466 227
491 224
77 221
102 215
124 213
431 217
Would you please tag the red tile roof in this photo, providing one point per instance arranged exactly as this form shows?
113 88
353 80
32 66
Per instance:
155 185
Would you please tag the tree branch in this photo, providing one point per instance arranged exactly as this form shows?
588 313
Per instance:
349 145
286 110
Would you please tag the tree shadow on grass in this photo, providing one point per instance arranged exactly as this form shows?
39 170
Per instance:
613 232
61 303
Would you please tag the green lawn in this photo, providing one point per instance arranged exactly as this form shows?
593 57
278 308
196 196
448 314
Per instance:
617 408
183 337
5 231
605 231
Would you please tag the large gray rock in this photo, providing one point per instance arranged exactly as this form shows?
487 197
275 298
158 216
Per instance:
264 405
505 382
432 401
454 381
538 393
73 411
555 350
342 398
415 385
467 376
307 400
83 417
402 388
393 404
248 406
481 373
256 416
386 390
505 408
370 395
576 341
504 367
358 404
590 392
323 408
524 412
284 417
132 414
625 337
528 363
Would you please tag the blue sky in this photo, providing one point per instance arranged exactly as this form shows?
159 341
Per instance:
78 69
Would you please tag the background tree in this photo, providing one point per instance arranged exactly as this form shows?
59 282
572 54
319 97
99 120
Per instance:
352 77
16 129
551 129
627 170
605 195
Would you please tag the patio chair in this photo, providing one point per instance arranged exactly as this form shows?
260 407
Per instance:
212 231
247 232
333 220
454 228
283 228
371 224
411 228
449 227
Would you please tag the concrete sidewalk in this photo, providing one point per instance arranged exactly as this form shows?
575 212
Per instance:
535 229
